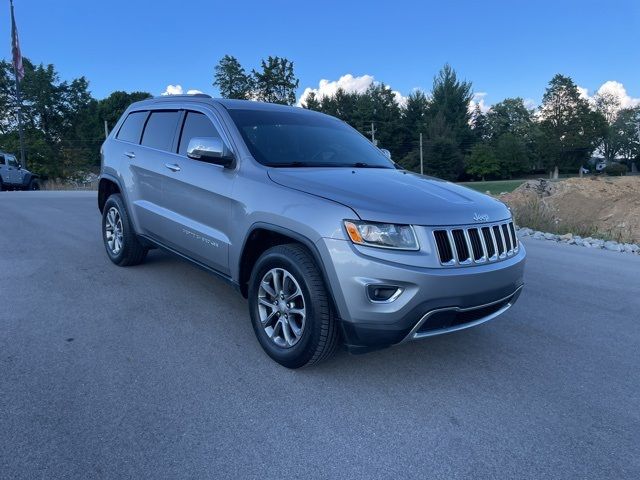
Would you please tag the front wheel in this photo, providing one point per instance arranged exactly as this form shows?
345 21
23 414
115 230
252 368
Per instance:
34 185
290 308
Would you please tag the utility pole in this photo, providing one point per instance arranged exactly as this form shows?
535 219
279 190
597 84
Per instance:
373 135
421 163
106 130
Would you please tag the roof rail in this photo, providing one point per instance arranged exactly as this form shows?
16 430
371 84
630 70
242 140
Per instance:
185 95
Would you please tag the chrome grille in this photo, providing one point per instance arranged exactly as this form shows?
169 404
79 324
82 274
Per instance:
476 245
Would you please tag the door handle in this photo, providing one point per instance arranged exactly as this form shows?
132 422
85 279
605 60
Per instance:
174 167
130 154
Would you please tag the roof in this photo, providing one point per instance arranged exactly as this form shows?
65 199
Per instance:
229 104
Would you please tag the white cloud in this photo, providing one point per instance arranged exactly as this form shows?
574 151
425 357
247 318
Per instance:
478 99
348 83
613 88
178 90
617 89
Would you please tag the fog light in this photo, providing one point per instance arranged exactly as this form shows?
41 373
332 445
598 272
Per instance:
383 293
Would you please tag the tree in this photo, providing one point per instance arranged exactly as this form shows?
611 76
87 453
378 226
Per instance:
608 105
412 122
311 102
232 80
482 162
479 124
626 129
112 107
510 116
449 136
276 83
511 154
570 129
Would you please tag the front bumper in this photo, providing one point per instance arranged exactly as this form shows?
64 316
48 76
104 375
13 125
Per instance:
433 300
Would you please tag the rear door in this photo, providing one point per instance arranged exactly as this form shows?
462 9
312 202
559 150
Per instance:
147 143
199 194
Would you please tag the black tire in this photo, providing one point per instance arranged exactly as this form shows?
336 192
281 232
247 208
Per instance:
34 185
2 187
320 334
131 251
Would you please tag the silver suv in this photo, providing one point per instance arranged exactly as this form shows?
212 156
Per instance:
328 239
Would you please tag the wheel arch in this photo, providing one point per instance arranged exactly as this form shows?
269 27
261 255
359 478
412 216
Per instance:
107 187
261 237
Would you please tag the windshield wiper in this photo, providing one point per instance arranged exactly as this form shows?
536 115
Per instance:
291 164
366 165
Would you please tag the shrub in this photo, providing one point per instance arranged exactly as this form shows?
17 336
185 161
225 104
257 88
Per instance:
616 169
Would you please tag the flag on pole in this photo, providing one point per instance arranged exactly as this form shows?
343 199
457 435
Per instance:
15 48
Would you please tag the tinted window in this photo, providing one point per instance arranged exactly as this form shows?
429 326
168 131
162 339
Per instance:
12 161
303 139
195 125
1 159
160 130
131 129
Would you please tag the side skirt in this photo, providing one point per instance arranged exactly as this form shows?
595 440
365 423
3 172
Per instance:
226 278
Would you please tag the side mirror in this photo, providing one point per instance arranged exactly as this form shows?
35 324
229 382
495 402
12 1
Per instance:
211 150
386 153
19 166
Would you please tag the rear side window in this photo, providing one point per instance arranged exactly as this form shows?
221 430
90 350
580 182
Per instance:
131 129
195 125
160 130
1 159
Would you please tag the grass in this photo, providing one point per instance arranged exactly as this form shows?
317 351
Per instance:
495 187
537 216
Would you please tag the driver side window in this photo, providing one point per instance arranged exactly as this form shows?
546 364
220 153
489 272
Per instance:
11 161
195 125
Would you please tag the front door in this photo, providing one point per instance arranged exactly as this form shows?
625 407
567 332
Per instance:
199 195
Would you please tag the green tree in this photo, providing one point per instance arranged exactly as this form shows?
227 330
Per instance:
510 116
482 162
276 82
479 124
111 108
626 129
512 155
570 129
608 105
231 79
311 102
449 136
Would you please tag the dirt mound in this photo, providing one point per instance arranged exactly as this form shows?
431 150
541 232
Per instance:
608 207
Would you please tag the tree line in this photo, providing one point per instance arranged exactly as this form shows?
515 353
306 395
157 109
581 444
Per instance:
64 125
460 143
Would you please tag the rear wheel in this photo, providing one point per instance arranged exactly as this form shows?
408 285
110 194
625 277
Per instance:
290 309
120 240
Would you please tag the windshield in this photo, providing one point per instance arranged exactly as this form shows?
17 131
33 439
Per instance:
291 139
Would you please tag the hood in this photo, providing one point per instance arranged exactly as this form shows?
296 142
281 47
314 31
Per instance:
394 196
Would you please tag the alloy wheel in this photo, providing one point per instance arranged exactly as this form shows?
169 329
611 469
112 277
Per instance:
281 307
113 230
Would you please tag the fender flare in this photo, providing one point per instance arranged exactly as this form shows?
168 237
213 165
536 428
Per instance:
111 178
311 246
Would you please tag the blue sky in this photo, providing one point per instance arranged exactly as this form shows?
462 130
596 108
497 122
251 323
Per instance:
506 48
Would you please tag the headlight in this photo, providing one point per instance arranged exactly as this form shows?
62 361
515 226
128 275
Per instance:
386 235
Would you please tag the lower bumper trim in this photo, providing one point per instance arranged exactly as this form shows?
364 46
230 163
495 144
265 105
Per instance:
452 319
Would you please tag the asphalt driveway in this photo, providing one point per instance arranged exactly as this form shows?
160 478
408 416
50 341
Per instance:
154 372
